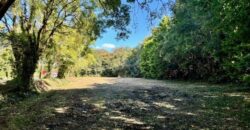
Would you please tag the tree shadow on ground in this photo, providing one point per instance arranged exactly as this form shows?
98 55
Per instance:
110 106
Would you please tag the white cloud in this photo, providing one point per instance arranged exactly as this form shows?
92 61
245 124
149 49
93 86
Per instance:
108 46
97 47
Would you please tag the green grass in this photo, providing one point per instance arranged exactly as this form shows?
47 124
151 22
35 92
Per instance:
25 114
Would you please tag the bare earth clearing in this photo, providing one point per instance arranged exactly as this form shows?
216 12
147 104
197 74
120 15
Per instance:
131 103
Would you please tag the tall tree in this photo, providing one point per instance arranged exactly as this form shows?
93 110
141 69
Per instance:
152 64
32 24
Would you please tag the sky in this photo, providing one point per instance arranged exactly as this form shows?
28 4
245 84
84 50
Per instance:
139 26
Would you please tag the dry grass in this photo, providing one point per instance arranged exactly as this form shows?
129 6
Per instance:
130 103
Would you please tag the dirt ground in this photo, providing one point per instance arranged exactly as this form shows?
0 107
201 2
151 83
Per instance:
131 103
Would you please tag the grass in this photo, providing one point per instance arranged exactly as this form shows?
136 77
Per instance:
27 112
56 82
172 105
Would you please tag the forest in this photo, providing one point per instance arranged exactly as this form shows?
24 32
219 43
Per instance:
198 41
44 42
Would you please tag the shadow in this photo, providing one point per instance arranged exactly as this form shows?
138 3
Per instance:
116 106
7 86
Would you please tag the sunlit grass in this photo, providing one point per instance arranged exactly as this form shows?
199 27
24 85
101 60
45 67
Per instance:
115 106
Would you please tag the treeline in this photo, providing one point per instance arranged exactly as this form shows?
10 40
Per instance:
54 35
202 40
121 62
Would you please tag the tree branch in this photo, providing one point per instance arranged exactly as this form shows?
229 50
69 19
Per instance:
4 6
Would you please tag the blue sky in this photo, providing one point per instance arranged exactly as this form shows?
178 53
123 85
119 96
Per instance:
139 26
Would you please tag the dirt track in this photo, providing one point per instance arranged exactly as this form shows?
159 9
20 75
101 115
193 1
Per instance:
120 83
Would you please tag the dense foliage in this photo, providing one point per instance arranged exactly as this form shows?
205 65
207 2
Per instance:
203 40
152 64
32 29
199 40
111 64
5 63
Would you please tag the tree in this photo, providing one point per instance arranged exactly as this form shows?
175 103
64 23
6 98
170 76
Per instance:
71 50
6 60
131 66
104 63
152 64
187 46
32 24
203 40
231 28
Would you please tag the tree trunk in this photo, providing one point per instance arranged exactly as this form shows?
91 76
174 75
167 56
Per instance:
29 67
49 68
29 63
61 71
26 59
41 70
4 6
